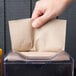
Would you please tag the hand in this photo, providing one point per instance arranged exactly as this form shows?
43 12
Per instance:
46 10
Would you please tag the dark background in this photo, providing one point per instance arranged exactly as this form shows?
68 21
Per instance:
19 9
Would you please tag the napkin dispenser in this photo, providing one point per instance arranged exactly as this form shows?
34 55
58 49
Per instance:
37 52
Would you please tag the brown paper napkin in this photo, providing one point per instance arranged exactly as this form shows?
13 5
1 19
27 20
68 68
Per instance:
21 34
50 37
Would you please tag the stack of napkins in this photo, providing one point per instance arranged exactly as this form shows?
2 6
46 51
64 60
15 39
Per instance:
37 56
46 42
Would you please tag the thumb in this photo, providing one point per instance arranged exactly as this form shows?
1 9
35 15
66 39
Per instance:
41 20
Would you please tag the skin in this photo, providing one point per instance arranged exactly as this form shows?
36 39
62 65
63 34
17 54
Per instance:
46 10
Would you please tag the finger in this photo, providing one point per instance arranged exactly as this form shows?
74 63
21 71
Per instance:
41 20
35 13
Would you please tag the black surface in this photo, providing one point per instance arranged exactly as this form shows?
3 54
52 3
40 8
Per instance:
1 24
56 68
74 72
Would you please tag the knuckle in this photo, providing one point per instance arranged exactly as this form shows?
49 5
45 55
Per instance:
37 2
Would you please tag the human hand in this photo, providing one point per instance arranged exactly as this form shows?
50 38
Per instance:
46 10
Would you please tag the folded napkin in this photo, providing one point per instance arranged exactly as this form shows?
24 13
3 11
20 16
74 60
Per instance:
50 37
37 56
